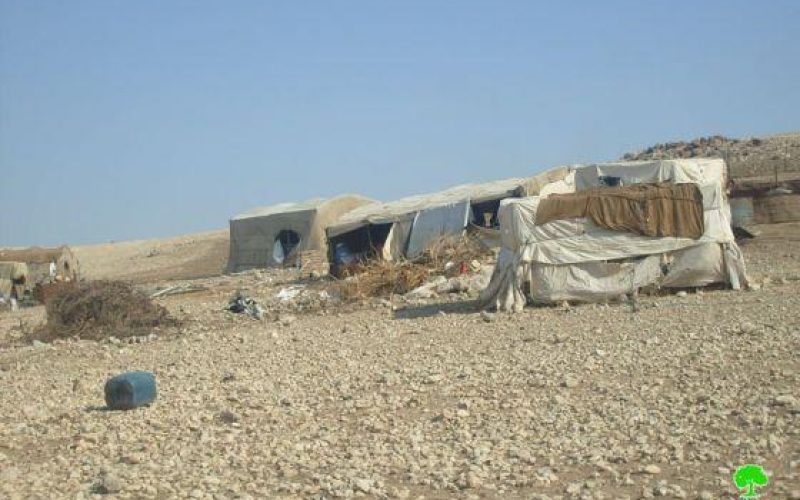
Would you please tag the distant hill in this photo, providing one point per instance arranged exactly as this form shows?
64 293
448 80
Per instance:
748 157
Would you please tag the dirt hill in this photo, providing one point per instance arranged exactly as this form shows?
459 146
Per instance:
182 257
746 157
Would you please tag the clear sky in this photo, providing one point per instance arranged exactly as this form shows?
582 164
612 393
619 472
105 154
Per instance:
136 119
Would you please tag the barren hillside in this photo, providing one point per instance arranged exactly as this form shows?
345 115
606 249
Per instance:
182 257
747 157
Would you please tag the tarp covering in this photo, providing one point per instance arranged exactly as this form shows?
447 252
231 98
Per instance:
569 259
407 208
592 281
38 261
661 209
430 225
13 274
254 233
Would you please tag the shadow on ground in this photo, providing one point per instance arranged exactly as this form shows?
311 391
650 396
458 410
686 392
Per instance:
428 310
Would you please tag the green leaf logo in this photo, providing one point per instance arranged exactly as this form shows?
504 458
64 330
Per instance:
749 477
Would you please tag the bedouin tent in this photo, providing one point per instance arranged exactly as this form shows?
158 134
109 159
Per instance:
404 228
38 260
13 276
575 258
277 235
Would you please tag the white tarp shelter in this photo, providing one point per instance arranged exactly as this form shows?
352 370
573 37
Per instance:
404 228
575 259
276 235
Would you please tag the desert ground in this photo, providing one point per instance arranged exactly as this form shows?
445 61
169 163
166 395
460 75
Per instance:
397 399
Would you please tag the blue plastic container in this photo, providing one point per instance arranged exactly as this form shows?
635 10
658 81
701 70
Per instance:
130 390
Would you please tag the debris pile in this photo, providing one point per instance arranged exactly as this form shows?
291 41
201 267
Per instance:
98 309
380 278
444 267
241 303
454 252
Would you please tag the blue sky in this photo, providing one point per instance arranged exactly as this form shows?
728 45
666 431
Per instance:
136 119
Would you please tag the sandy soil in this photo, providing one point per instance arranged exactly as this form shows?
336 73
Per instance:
183 257
428 400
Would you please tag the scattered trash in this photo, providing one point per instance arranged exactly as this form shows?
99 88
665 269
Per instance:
177 290
240 303
429 289
289 293
130 390
40 345
475 266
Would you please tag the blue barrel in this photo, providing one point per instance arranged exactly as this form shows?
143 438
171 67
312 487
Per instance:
741 211
130 390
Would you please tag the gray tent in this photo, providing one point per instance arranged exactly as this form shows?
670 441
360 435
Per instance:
403 228
277 235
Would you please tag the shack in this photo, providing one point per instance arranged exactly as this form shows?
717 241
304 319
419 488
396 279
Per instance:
626 226
38 259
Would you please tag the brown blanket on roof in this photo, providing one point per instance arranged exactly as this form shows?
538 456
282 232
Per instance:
662 209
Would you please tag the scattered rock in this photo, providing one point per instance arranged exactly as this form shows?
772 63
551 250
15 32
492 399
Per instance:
228 417
652 469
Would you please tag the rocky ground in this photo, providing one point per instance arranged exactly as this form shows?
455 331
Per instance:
424 400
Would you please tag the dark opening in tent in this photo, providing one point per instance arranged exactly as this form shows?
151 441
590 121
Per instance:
285 243
365 242
484 214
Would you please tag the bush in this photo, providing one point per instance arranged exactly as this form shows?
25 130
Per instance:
99 309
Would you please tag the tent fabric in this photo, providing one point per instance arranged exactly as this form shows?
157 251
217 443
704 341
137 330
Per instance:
430 225
13 274
558 179
563 258
699 265
417 220
407 208
650 209
700 171
399 236
38 261
253 234
591 281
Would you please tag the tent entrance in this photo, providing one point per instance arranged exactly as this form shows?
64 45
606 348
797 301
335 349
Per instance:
365 243
484 214
285 243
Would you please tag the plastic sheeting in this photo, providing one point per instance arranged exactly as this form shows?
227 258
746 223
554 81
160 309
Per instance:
430 225
406 208
592 281
567 258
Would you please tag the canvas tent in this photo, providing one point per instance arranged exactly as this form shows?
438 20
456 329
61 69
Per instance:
13 276
277 235
577 259
38 261
404 228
